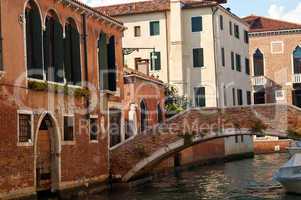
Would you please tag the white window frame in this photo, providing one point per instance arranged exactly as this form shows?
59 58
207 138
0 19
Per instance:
63 133
30 142
282 47
99 128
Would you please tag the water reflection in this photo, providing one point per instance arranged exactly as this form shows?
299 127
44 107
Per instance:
242 180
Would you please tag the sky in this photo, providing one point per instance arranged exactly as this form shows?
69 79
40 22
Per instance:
289 10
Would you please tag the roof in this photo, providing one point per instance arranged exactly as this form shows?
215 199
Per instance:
93 11
264 24
132 72
153 6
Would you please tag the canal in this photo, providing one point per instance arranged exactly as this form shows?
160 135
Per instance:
249 179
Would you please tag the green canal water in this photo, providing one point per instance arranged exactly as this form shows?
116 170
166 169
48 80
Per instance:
241 180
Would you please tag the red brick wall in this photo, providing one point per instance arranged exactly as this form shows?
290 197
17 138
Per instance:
150 92
80 160
262 147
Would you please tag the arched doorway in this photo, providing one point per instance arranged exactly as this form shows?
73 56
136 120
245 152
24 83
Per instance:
143 116
47 154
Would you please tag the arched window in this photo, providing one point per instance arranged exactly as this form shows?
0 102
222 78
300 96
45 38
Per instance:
112 64
34 53
159 114
72 63
258 63
103 62
53 48
143 116
297 60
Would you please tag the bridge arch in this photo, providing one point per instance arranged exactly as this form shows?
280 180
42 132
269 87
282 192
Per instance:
183 143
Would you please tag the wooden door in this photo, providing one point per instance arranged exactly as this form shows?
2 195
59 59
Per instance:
43 161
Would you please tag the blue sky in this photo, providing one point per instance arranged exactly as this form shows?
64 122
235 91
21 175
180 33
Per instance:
289 10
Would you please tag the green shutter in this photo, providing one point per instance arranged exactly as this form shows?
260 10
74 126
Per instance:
154 28
232 61
103 62
157 64
34 44
112 64
76 61
196 24
58 51
46 45
198 57
67 57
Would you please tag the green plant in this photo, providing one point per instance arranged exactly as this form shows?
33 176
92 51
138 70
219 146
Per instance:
38 86
295 134
175 103
58 88
258 127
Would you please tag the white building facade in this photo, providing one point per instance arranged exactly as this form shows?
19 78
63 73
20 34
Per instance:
201 48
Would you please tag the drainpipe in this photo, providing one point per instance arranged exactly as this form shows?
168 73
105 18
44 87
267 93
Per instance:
86 60
167 49
214 10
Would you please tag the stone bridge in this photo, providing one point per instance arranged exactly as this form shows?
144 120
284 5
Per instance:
142 153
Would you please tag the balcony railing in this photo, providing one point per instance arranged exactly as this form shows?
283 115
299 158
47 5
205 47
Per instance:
296 78
259 81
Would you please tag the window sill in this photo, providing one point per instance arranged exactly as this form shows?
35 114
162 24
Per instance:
24 144
108 92
93 141
68 142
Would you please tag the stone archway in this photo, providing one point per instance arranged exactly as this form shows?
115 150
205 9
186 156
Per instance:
47 154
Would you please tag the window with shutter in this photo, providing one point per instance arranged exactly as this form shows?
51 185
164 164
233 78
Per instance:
230 28
54 49
223 56
249 101
258 63
154 28
68 128
34 45
94 128
247 62
196 24
239 97
155 58
221 22
232 61
297 60
233 96
24 127
238 62
72 62
111 64
103 62
198 57
236 31
246 37
200 96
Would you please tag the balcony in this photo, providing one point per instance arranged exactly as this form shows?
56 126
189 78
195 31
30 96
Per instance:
259 81
296 78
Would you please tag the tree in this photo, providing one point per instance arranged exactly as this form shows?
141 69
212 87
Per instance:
174 103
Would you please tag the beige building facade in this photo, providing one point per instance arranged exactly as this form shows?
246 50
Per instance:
201 48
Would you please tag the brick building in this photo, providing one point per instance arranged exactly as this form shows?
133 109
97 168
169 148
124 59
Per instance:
61 69
143 104
275 56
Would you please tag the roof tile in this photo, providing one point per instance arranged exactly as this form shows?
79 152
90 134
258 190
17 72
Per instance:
264 24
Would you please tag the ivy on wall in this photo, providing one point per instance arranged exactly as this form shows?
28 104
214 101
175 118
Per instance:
57 88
